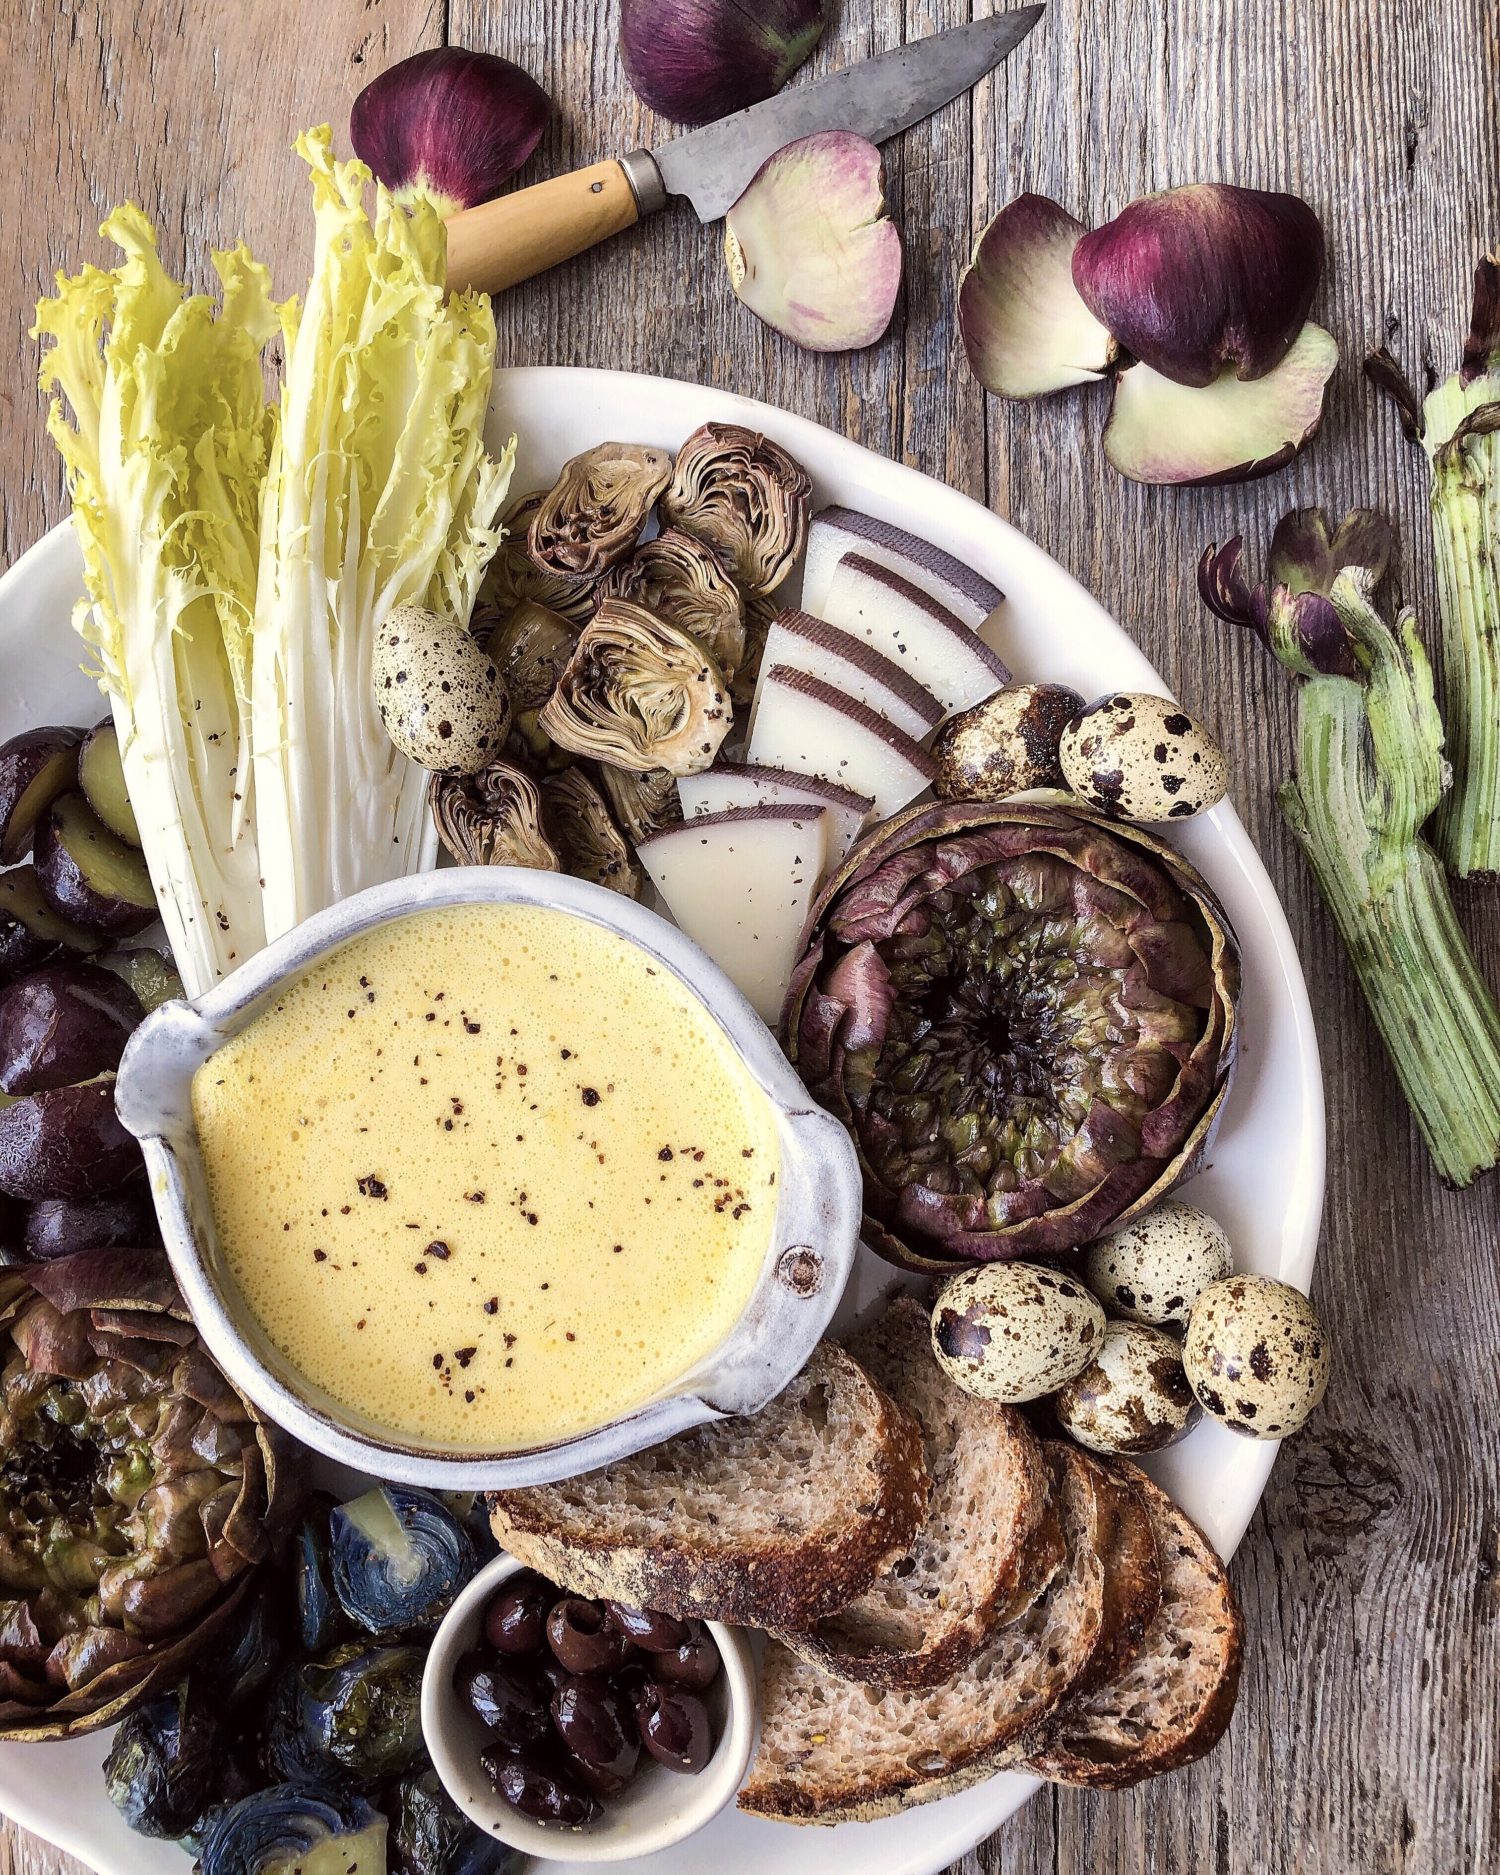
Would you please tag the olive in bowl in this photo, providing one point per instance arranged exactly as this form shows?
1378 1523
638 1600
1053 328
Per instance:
597 1762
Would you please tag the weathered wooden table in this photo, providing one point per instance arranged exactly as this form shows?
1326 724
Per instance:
1368 1733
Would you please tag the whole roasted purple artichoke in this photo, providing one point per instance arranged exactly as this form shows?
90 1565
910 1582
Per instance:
1025 1016
137 1490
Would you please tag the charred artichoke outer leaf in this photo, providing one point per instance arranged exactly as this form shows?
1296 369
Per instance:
494 818
746 497
163 1762
639 693
594 846
136 1496
642 804
513 578
593 515
682 579
1025 1015
295 1825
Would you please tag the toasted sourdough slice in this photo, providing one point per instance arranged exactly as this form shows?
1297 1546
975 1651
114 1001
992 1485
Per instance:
834 1751
935 1604
1172 1701
774 1520
1132 1577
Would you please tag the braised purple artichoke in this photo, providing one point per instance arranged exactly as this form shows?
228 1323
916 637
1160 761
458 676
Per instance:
137 1491
746 497
1025 1015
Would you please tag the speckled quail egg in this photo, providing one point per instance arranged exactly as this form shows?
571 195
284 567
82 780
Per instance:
1142 758
1155 1269
1014 1331
1004 745
1132 1397
1256 1355
441 698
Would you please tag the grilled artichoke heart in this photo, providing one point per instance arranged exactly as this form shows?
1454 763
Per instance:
642 804
682 580
640 693
594 515
531 646
137 1491
513 577
494 818
746 497
1026 1017
594 847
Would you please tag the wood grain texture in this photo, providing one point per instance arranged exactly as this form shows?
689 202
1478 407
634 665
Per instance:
1367 1740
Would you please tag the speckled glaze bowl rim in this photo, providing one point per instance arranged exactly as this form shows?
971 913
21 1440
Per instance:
626 1832
809 1262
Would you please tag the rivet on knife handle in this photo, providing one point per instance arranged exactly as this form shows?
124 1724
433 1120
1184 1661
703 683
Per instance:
500 243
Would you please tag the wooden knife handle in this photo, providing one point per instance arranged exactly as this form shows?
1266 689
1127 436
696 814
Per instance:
501 243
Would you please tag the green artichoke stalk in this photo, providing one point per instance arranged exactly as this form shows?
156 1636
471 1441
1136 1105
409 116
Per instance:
1370 773
1459 427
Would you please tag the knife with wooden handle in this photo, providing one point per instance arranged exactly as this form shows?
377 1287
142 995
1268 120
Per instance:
500 243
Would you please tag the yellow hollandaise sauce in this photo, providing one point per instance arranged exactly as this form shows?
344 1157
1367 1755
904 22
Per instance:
489 1176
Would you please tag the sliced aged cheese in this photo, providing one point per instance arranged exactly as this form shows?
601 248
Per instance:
733 785
807 726
913 629
739 884
838 531
851 664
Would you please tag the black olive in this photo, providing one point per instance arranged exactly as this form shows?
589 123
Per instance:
655 1632
695 1664
536 1785
675 1728
634 1681
597 1724
506 1697
582 1639
516 1620
551 1669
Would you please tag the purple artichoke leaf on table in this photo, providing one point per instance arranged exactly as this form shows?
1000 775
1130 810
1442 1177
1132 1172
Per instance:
1024 1015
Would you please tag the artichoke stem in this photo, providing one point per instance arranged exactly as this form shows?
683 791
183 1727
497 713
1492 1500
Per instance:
1465 502
1353 817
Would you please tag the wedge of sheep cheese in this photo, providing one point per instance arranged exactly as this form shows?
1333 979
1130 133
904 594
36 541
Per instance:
809 727
912 629
740 884
839 531
733 785
851 664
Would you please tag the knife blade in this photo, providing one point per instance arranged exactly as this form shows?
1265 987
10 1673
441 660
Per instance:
500 243
878 98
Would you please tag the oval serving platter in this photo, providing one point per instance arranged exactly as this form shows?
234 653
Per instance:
1264 1182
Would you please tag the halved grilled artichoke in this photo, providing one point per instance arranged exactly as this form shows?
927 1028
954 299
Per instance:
683 580
642 804
137 1491
594 514
640 693
513 576
746 497
531 646
593 846
1026 1017
494 818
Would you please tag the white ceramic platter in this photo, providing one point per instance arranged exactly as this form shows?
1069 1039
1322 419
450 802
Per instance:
1265 1182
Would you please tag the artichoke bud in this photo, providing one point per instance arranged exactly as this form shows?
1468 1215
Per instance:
595 848
494 818
746 497
638 692
682 580
513 576
592 517
642 804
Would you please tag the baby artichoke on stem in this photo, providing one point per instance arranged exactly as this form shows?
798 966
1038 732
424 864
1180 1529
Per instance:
1458 425
1369 774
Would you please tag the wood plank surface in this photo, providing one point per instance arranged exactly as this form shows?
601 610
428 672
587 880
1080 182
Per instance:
1368 1736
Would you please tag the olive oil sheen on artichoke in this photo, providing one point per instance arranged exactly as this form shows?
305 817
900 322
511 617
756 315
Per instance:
489 1176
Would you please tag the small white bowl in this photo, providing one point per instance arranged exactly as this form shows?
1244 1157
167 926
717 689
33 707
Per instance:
658 1808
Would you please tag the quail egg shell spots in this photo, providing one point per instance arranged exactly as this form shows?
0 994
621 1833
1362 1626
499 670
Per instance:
441 698
1256 1355
1132 1397
1142 758
1014 1331
1006 744
1155 1269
